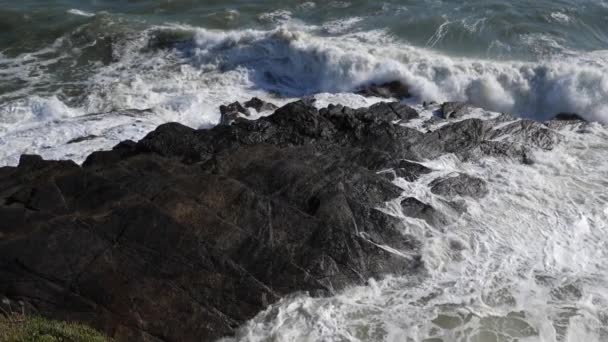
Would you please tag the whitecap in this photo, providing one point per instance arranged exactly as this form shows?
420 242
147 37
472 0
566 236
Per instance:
188 83
82 13
276 16
341 25
561 17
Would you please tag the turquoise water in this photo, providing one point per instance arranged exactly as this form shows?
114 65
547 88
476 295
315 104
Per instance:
502 29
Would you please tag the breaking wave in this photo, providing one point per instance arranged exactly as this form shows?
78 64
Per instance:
183 73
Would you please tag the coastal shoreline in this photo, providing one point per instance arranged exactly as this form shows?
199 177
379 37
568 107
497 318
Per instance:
187 234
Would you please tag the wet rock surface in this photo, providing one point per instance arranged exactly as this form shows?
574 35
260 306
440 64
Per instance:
186 234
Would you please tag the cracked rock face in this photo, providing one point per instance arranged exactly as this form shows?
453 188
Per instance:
186 234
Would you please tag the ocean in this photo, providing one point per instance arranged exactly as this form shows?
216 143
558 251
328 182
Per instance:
535 265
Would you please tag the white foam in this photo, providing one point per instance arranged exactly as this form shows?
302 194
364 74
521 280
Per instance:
561 17
277 16
341 25
304 63
81 13
187 84
52 139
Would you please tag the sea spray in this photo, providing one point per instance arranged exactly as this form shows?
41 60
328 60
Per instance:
187 78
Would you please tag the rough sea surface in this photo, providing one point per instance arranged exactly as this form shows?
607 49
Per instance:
533 257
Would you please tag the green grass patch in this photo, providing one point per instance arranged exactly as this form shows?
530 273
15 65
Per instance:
20 328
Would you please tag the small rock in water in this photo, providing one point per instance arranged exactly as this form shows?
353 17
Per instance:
231 112
260 105
83 138
393 89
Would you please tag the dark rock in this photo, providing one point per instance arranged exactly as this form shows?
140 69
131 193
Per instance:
413 207
260 105
572 120
453 110
458 137
81 139
186 234
410 171
28 160
569 117
474 138
459 185
231 112
393 89
513 140
390 111
309 101
526 132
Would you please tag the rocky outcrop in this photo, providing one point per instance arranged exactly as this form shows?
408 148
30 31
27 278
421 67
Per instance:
231 112
260 105
186 234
